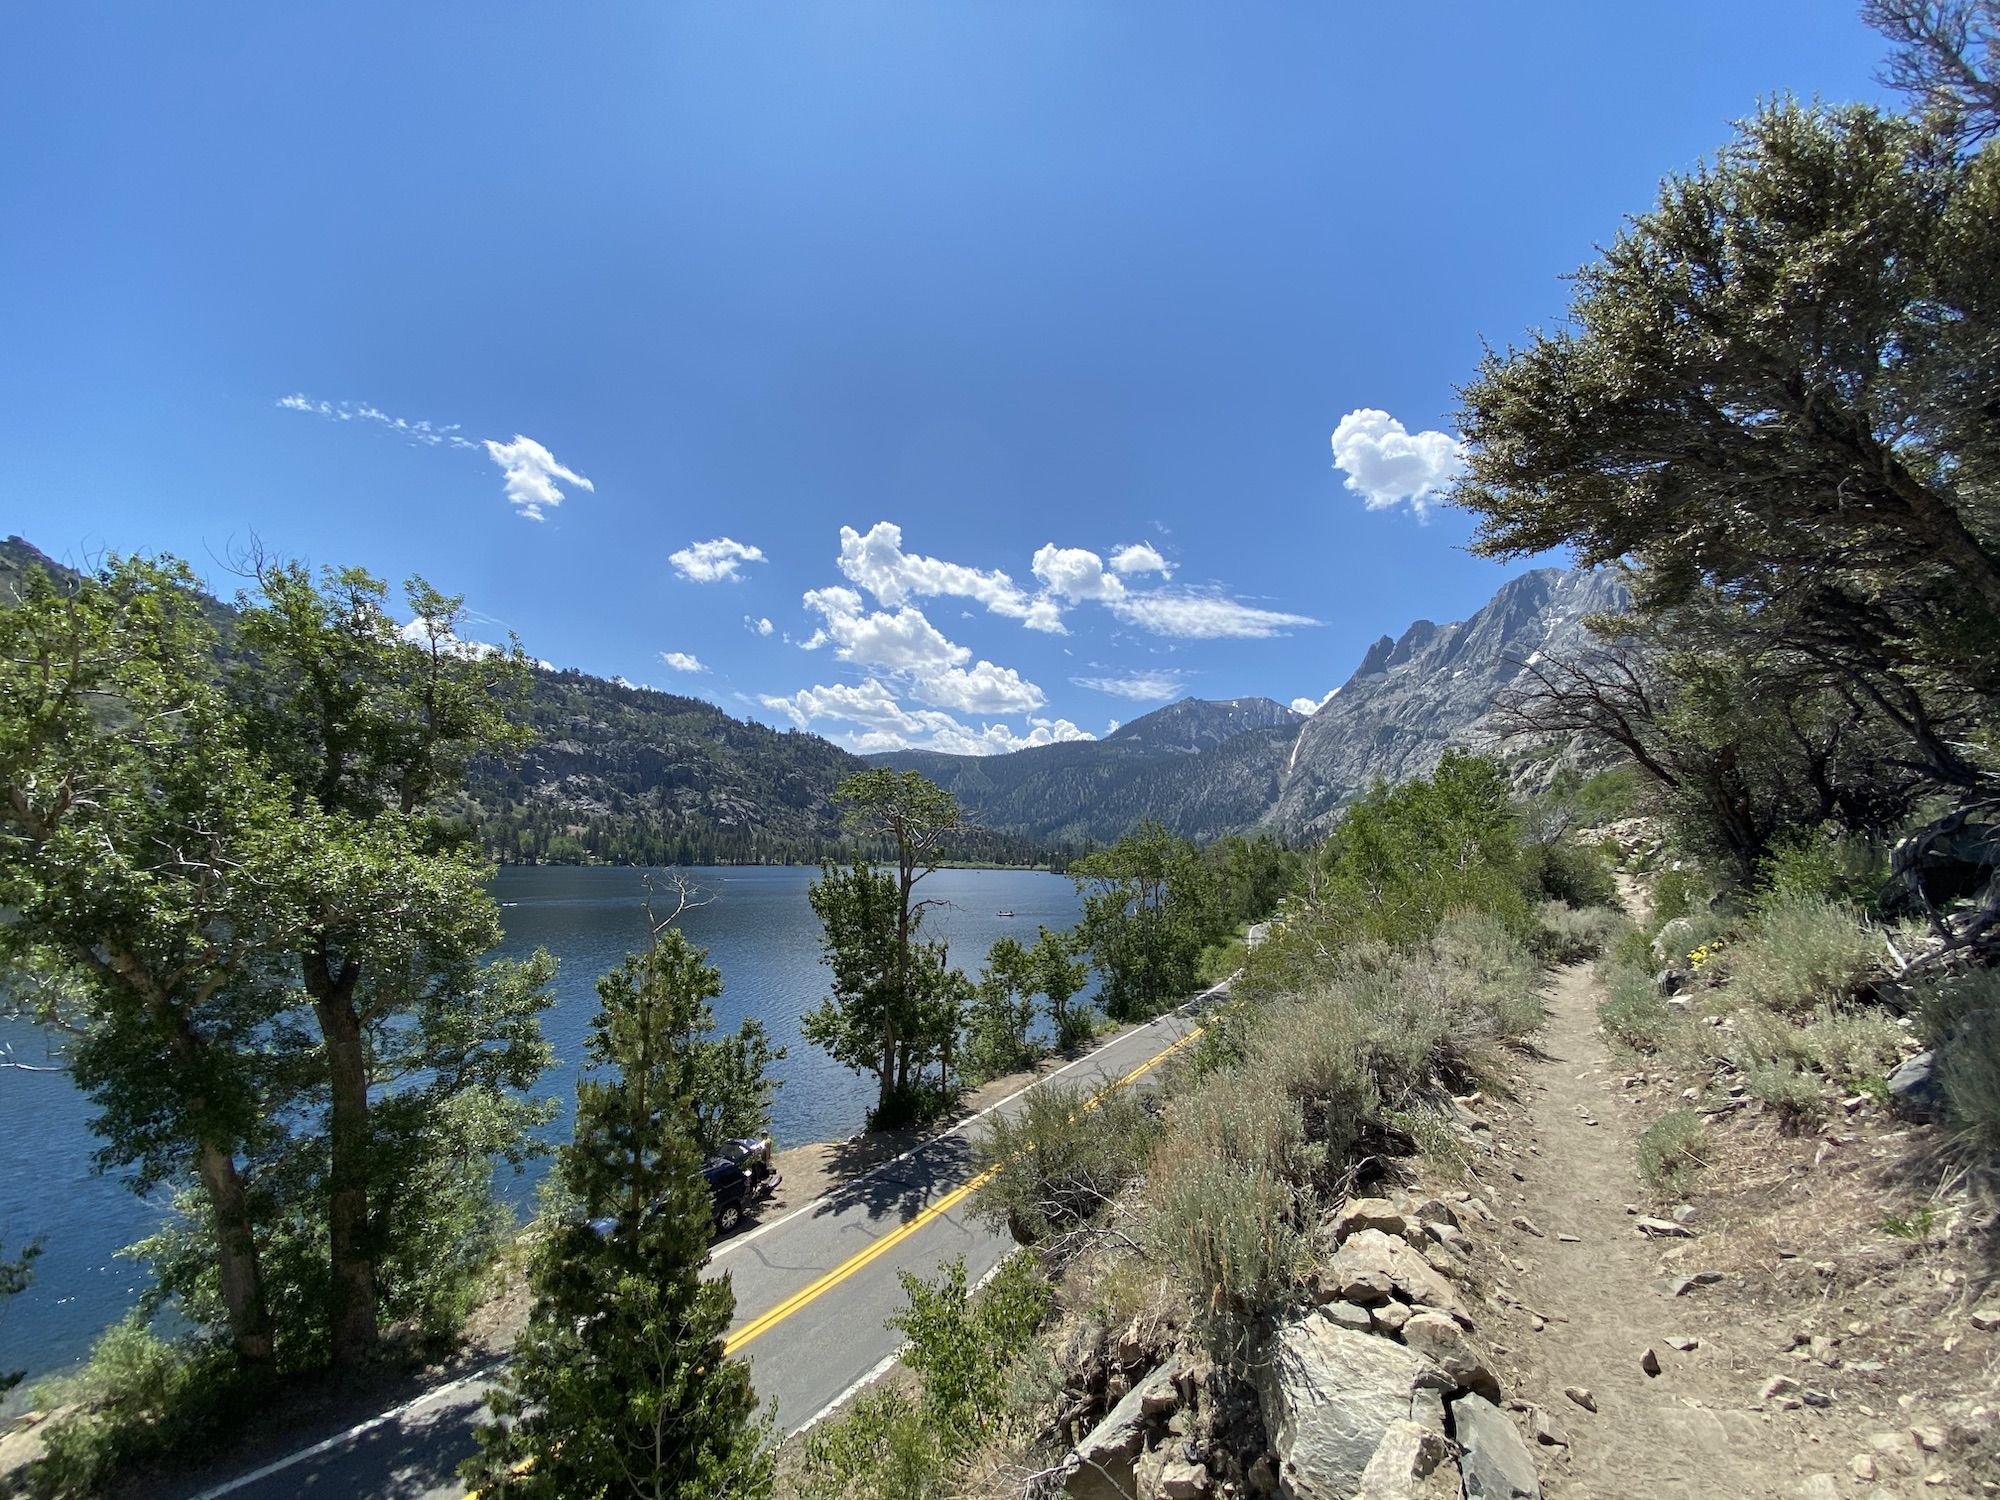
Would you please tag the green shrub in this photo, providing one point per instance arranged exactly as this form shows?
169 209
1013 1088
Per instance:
1799 955
1821 867
1232 1240
1794 1095
1060 1159
140 1397
1577 875
1249 1120
1569 936
1633 1011
963 1349
1854 1046
1670 1152
1969 1068
1684 892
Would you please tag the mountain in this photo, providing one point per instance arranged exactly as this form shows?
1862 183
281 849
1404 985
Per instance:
1204 769
1431 687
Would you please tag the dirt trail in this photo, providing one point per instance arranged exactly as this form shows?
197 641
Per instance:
1606 1298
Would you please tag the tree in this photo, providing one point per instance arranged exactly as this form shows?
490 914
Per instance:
144 859
1003 1013
896 1001
1056 973
619 1385
1947 58
1775 391
368 725
15 1275
1149 909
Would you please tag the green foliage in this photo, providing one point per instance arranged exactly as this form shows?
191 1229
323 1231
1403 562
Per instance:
963 1349
1798 955
1911 1226
1634 1012
138 1399
1568 936
1670 1152
1150 907
1685 891
1001 1015
1059 1160
1955 1015
15 1274
1793 1095
619 1382
1822 866
1578 875
1231 1236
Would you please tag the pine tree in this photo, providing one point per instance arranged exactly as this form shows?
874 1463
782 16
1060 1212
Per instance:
620 1386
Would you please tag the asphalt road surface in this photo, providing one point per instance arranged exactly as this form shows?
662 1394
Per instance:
813 1291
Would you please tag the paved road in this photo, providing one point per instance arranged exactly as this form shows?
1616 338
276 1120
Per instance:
813 1289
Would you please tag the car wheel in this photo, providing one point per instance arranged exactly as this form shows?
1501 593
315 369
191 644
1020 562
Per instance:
729 1218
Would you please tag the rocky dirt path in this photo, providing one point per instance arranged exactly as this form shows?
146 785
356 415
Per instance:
1603 1297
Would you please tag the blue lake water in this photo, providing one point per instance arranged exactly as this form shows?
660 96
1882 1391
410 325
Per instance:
758 931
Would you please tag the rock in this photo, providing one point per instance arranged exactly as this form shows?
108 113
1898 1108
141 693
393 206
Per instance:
1662 1229
1986 1319
1348 1315
1412 1462
1328 1396
1160 1399
1103 1465
1897 1451
1389 1318
1368 1257
1813 1396
1495 1461
1581 1397
1427 1408
1435 1211
1683 1212
1684 1344
1166 1475
1817 1487
1439 1339
1526 1225
1262 1476
1930 1439
1862 1467
1366 1213
1777 1387
1545 1429
1915 1090
1649 1361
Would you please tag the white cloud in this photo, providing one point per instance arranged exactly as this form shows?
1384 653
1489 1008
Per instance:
1192 615
901 642
884 724
430 434
681 661
1386 464
1140 557
1141 687
758 626
419 634
1076 573
879 564
713 561
985 689
531 473
1311 706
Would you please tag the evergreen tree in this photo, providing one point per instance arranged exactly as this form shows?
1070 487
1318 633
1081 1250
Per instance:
620 1386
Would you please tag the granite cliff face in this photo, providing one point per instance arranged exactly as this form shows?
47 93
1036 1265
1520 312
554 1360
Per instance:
1430 688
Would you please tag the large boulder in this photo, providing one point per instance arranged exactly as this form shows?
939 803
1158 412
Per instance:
1103 1466
1412 1462
1915 1090
1366 1213
1369 1260
1329 1397
1439 1339
1494 1456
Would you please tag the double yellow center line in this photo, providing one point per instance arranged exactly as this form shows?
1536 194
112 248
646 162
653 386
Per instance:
766 1321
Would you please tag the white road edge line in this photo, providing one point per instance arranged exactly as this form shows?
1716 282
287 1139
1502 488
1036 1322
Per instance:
959 1129
888 1361
361 1429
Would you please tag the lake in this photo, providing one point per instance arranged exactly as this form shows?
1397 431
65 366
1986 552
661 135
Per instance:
758 931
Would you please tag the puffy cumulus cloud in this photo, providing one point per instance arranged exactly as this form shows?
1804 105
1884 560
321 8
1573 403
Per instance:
1386 464
1311 706
682 661
758 625
903 641
883 723
530 476
1140 557
1188 614
876 560
713 561
1141 687
984 689
1077 573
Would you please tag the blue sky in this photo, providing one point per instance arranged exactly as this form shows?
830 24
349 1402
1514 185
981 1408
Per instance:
1055 307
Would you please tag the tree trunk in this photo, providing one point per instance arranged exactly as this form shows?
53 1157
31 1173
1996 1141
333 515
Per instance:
354 1329
236 1258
